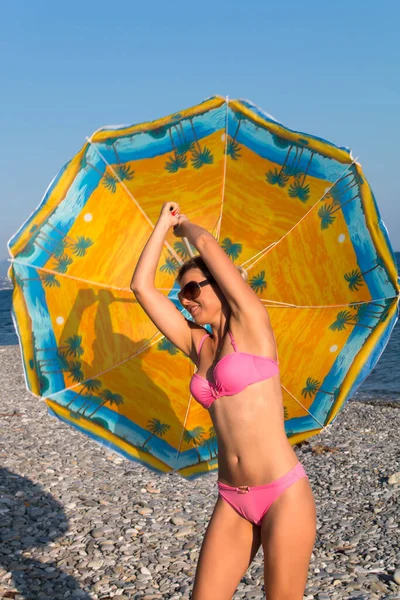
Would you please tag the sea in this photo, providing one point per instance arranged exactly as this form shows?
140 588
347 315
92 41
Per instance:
382 384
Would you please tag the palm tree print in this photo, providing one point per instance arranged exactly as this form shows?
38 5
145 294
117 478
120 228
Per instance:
276 177
184 145
366 311
62 263
85 163
58 245
298 190
75 371
48 279
156 428
200 156
293 170
232 148
124 172
178 160
72 346
355 277
210 444
91 386
195 437
325 214
231 249
337 194
60 362
313 386
170 265
327 211
110 181
181 249
258 283
166 345
107 397
111 142
173 164
291 167
350 180
344 318
28 250
119 173
72 368
79 245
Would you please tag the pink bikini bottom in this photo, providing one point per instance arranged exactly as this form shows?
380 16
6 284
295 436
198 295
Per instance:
252 502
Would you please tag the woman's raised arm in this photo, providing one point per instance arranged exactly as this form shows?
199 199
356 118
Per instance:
242 300
164 314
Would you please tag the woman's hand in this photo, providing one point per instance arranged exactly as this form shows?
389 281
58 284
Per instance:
169 215
179 228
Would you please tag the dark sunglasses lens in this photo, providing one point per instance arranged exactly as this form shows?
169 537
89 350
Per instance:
190 291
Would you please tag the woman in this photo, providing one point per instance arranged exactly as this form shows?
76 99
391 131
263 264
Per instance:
264 493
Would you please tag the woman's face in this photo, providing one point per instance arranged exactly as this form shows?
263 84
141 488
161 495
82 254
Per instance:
209 303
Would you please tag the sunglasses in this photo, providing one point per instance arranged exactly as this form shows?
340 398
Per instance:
192 290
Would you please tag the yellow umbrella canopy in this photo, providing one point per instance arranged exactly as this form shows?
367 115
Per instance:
292 208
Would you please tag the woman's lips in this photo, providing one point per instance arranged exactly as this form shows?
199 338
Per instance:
194 309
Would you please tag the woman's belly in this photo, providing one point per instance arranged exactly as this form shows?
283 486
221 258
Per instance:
252 445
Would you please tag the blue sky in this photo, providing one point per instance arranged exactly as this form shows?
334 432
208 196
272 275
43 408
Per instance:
66 69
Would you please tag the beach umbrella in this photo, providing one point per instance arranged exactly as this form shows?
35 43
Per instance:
292 208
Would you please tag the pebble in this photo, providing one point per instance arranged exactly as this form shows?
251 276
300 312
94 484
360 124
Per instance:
78 521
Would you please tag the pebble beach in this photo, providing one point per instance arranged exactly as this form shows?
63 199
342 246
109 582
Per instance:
79 521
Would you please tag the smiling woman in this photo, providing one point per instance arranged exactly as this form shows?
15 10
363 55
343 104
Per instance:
262 486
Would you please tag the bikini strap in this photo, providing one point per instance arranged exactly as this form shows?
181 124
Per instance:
201 343
233 342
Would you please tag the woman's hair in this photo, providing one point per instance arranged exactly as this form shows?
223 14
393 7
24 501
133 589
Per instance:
196 262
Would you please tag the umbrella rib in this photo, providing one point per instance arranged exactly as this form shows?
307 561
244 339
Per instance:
183 429
269 248
171 250
148 345
79 279
306 409
224 172
287 305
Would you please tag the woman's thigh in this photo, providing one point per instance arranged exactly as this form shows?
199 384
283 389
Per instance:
288 533
229 546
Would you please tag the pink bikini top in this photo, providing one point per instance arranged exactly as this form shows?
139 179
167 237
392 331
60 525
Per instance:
232 374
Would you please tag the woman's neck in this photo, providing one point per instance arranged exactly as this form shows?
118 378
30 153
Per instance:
220 328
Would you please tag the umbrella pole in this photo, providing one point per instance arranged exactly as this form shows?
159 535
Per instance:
188 246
